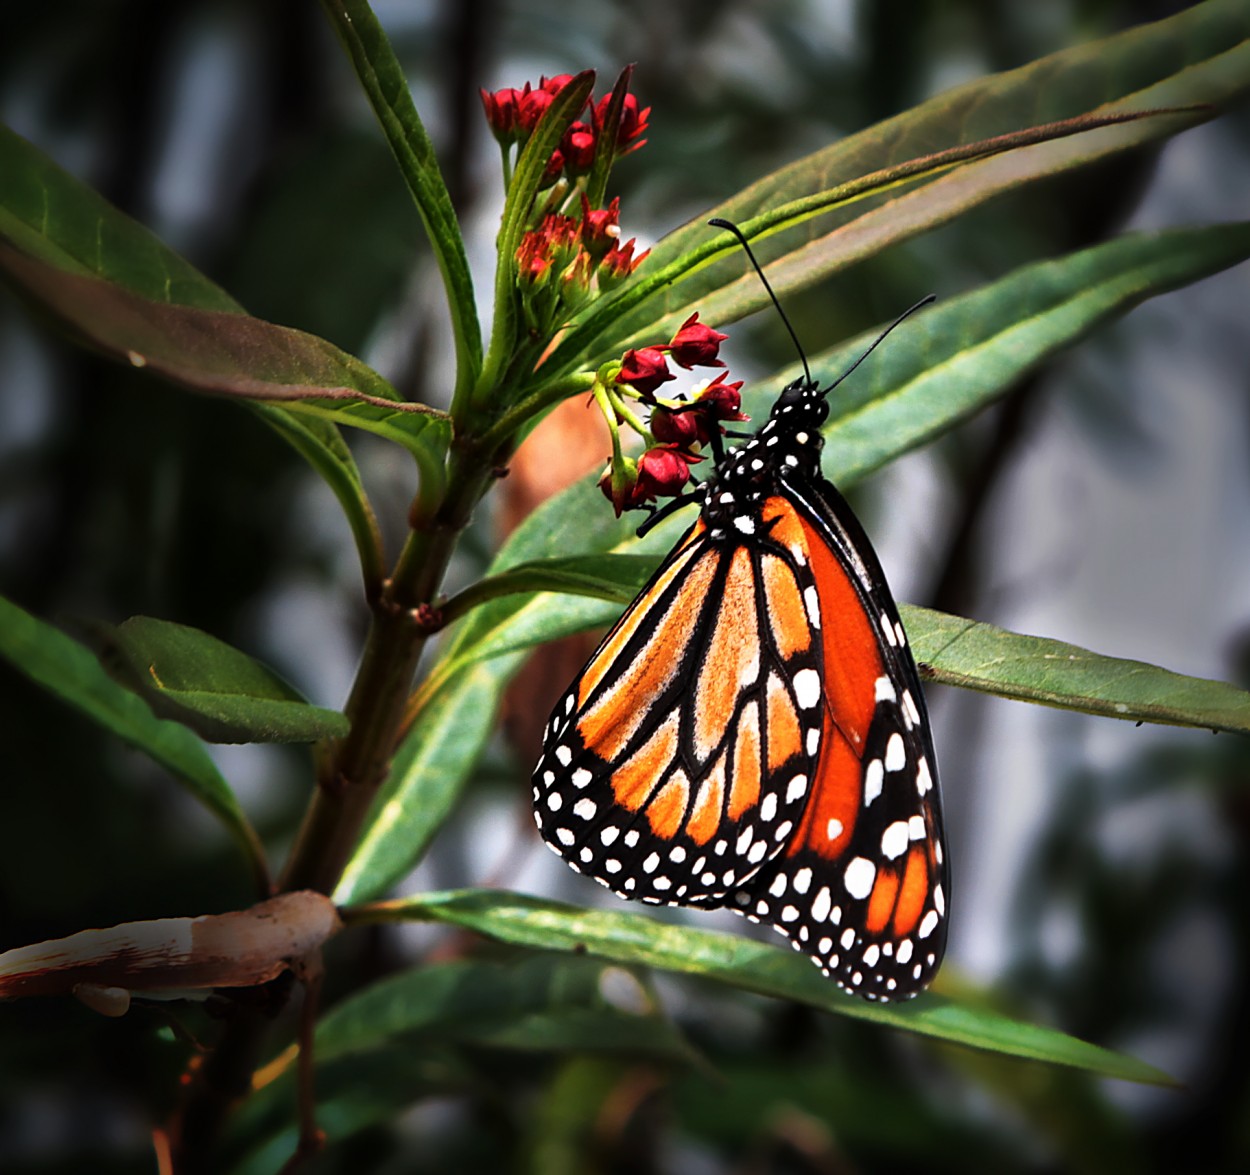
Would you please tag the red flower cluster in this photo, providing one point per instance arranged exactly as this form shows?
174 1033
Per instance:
558 262
513 115
679 427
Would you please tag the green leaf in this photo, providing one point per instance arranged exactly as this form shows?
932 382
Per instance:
977 656
541 1002
228 354
634 939
72 672
608 577
221 693
120 290
52 217
382 78
956 357
1201 55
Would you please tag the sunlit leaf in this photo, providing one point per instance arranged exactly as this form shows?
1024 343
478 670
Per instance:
1033 669
224 695
748 965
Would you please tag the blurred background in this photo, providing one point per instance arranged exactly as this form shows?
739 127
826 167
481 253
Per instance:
1100 869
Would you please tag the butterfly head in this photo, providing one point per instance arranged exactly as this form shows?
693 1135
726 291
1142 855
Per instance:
803 397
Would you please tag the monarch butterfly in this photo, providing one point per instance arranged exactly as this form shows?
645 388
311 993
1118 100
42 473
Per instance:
752 733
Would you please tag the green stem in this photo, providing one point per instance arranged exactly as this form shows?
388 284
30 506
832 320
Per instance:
349 776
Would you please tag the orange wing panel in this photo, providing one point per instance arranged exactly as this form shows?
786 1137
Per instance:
915 892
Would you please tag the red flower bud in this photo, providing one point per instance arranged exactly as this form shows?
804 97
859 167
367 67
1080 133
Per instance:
553 242
677 426
633 123
644 371
662 472
720 400
578 146
617 484
696 345
618 263
555 169
501 113
530 108
600 229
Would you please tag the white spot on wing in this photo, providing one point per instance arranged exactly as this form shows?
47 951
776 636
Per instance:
859 876
894 840
812 602
821 904
807 688
874 773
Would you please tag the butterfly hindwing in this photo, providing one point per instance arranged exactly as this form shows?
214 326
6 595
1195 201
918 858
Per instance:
862 886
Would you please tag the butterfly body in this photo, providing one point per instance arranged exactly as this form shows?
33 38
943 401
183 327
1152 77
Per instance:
752 733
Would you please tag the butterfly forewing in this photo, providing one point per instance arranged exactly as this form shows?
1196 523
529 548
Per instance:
680 760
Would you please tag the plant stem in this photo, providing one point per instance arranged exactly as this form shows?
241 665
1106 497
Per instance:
348 779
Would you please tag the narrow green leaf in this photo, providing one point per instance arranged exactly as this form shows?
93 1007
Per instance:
231 354
219 692
1034 669
382 78
1201 55
634 939
72 672
607 577
122 291
53 217
606 140
539 1002
956 357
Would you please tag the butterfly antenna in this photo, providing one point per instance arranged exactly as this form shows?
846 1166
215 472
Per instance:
737 232
881 338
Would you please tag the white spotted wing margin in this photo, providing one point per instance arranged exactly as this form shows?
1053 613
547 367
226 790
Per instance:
874 916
